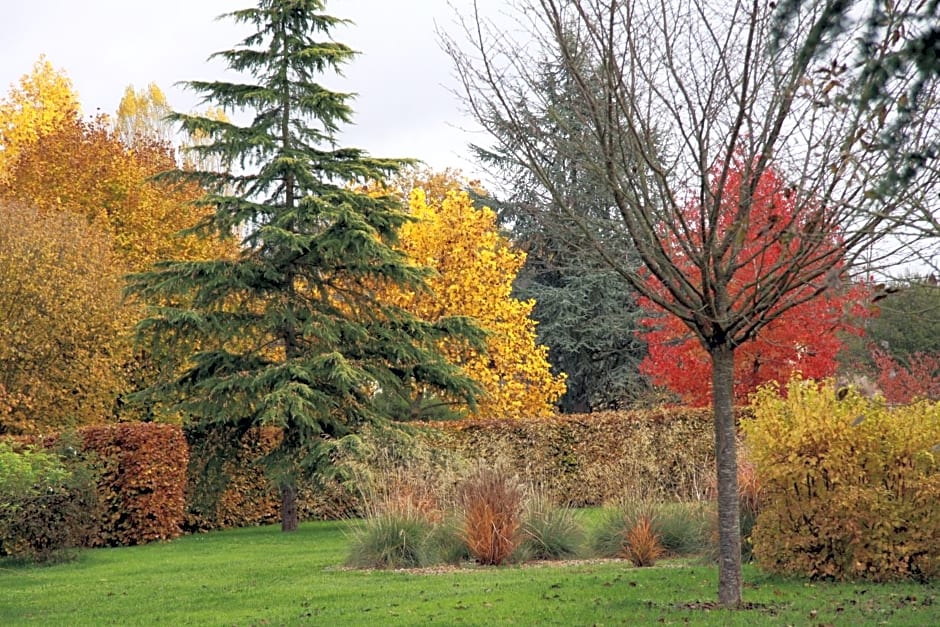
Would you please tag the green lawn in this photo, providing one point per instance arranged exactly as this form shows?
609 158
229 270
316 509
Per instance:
260 576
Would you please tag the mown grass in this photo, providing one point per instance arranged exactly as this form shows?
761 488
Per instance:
260 576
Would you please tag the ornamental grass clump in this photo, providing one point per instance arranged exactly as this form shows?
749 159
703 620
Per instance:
644 531
491 502
549 531
641 545
393 535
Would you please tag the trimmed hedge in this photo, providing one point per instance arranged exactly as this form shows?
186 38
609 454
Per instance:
227 486
140 472
578 460
591 459
142 480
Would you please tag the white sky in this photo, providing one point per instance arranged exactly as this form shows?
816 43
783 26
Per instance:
404 108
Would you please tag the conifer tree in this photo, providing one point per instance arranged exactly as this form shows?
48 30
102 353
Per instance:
289 333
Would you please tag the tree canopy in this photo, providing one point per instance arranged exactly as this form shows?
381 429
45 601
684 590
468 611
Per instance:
474 268
805 339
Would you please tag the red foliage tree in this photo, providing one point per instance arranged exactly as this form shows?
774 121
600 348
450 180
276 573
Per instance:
902 384
804 337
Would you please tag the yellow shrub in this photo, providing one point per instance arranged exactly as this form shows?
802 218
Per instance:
850 487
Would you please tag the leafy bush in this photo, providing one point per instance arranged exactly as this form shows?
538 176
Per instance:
490 502
46 508
549 532
850 487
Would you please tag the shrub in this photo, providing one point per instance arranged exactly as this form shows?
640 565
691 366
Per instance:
490 502
549 532
850 487
46 504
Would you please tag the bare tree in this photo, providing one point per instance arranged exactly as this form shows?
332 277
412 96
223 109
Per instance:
679 98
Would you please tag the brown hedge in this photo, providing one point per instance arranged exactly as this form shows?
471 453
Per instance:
579 459
589 459
142 479
227 486
140 470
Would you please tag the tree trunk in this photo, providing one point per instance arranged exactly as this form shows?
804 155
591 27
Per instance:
288 506
726 460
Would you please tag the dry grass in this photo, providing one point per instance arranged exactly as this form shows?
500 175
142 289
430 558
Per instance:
641 544
491 503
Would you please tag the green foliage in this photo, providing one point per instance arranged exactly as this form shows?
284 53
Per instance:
47 502
684 528
290 333
228 483
391 539
445 543
891 329
681 529
549 532
850 487
587 313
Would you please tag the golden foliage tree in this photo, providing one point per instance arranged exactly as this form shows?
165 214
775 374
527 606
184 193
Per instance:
37 105
142 114
475 267
63 329
82 167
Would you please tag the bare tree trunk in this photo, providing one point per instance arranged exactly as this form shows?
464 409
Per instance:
729 523
288 506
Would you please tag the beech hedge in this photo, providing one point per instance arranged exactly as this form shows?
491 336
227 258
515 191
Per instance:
591 459
578 460
139 470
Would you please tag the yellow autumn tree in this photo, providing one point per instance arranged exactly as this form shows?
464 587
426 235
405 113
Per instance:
142 114
35 106
63 329
475 266
83 167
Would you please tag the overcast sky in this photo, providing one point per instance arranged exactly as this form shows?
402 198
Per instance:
403 78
